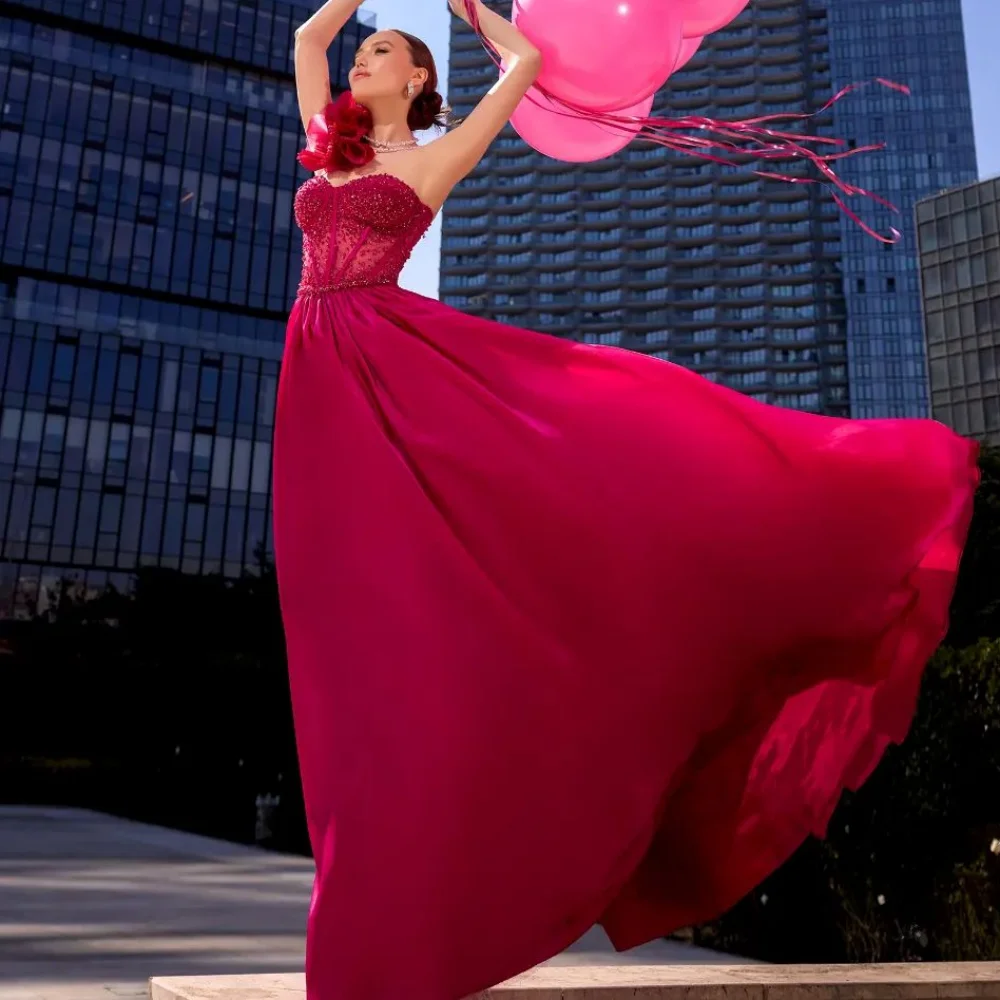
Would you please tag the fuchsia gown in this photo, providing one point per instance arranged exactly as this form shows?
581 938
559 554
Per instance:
575 635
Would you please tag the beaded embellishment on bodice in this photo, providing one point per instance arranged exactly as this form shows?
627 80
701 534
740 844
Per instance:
357 234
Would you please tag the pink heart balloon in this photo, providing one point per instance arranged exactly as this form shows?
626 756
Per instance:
563 135
602 54
702 17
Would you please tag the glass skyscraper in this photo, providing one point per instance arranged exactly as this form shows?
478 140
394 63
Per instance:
757 284
930 146
148 259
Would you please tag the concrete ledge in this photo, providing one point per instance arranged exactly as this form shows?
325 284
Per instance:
944 981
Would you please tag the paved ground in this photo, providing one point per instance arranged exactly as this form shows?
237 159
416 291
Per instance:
91 906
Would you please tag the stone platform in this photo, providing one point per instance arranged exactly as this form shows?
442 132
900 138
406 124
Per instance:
92 906
958 981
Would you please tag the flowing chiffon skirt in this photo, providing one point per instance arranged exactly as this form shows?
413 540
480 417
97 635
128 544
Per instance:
575 634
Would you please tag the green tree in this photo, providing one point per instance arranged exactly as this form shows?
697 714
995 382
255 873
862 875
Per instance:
169 703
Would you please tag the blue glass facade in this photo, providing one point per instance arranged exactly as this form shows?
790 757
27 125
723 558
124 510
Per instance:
148 259
930 147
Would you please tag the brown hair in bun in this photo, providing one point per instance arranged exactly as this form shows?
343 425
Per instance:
428 108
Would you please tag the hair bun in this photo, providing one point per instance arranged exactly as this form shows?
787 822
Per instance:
426 110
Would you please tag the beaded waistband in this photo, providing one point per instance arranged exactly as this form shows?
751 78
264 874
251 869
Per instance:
307 289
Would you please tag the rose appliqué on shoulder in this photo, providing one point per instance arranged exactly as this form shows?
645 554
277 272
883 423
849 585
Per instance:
335 139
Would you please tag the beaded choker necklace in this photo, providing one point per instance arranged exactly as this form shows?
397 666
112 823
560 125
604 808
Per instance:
389 147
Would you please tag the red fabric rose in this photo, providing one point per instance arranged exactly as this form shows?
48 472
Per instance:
335 139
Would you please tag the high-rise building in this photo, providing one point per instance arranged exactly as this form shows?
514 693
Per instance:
959 234
930 146
148 257
738 277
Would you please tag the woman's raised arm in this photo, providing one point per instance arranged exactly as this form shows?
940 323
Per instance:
452 156
312 40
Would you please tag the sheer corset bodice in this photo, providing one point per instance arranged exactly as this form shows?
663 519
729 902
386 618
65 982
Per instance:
357 234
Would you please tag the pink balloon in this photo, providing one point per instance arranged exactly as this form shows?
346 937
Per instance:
702 17
565 136
602 54
688 48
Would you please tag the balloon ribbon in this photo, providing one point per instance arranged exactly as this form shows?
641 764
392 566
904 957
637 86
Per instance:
718 141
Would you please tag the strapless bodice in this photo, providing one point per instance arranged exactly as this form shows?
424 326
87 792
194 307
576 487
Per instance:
357 234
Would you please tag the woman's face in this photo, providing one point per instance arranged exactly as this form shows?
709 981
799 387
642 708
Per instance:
383 67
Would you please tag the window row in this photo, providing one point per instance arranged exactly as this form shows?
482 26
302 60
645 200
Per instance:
137 320
116 529
260 34
116 450
134 382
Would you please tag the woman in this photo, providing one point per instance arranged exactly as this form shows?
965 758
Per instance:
574 634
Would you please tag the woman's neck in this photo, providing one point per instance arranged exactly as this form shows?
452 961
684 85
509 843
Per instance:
389 128
389 134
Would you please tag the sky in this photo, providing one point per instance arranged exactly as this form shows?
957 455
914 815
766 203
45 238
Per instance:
430 21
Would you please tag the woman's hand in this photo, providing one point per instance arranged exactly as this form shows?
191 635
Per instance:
505 38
